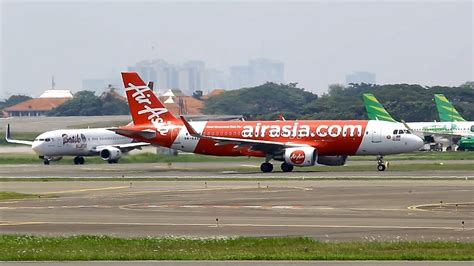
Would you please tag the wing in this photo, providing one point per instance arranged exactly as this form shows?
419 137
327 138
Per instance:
146 133
262 145
9 140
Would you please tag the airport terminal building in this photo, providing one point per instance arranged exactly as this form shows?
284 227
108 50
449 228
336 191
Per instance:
39 106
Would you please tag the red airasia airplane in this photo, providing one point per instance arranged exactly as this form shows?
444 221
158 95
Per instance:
295 143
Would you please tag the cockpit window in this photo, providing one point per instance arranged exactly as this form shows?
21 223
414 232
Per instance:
401 131
47 140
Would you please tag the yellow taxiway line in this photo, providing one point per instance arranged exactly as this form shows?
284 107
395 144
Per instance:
83 190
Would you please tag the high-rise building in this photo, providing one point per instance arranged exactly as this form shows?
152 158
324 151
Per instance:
266 70
240 77
193 75
360 77
257 72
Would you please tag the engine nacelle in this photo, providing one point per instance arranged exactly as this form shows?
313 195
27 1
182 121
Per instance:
303 156
111 153
335 160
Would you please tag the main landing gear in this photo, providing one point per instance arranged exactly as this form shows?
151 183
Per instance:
266 167
286 167
381 164
46 161
79 160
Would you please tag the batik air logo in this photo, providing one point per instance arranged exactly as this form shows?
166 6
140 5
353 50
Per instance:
73 139
297 157
142 96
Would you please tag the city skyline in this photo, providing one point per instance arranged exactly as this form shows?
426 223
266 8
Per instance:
427 43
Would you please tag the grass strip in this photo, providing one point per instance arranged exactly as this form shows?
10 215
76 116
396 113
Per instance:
136 158
156 158
87 247
7 195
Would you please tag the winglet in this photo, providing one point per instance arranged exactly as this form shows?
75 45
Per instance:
190 128
8 138
7 133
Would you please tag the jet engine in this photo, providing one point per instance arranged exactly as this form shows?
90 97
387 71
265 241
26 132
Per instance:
110 154
335 160
301 156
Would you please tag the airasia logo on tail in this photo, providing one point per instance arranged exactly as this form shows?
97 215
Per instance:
297 157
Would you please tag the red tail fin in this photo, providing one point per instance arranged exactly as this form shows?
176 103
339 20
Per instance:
145 107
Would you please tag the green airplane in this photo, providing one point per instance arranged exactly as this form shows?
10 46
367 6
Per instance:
455 130
447 113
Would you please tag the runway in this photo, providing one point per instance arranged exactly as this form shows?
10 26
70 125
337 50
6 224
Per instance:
235 169
324 209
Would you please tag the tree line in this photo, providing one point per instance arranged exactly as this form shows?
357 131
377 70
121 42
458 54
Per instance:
409 102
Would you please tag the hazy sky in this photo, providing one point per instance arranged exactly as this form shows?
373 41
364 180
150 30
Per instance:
319 42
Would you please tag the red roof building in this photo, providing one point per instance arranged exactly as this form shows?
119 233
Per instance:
34 107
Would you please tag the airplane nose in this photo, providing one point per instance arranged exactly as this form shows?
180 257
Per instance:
37 147
416 142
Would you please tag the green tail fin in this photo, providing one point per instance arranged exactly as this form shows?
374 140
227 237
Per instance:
375 110
446 110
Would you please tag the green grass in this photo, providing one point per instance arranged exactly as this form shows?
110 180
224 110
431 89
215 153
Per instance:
7 195
101 124
422 155
37 248
154 158
394 167
136 158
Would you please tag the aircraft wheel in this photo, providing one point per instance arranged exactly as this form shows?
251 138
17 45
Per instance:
46 162
79 160
381 167
76 160
266 167
286 167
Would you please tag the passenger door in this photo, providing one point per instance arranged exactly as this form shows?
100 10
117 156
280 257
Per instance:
376 134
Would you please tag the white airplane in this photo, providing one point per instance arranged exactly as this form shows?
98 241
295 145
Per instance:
53 145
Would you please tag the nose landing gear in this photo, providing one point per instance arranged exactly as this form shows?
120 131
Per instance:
381 164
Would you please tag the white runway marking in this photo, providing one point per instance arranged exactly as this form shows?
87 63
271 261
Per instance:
263 207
